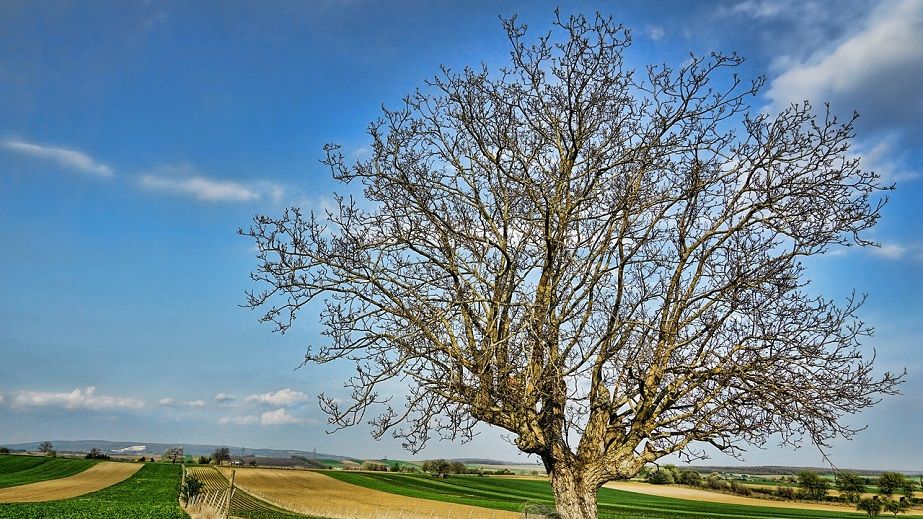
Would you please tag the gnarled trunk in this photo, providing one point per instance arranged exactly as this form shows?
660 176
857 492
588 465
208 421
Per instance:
574 495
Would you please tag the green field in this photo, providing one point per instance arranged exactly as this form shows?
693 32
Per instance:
151 493
20 470
510 494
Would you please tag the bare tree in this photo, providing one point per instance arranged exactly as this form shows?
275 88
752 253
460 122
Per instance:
604 262
45 447
174 454
221 454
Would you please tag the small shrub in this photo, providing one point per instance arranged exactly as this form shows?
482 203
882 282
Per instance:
714 482
660 477
4 450
785 493
741 489
191 487
872 507
689 477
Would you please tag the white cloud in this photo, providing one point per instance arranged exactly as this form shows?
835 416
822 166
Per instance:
186 180
224 397
2 399
281 397
890 251
238 420
201 188
71 159
762 9
77 399
899 251
167 401
877 69
889 159
654 32
280 417
195 403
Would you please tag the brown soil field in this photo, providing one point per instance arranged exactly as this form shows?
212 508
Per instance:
313 493
693 494
103 474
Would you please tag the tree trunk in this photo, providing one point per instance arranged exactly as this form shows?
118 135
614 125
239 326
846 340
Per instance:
574 497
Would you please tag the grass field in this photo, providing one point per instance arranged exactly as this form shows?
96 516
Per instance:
151 493
510 494
22 470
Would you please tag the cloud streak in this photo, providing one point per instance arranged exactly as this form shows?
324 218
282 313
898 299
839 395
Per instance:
281 397
280 417
85 398
70 159
238 420
201 188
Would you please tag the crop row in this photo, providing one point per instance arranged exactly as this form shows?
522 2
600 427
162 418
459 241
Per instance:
242 504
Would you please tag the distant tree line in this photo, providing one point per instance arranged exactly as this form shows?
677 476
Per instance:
809 485
96 454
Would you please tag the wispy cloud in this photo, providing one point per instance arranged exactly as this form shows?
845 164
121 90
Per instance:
201 188
195 403
85 398
758 9
167 402
224 397
281 397
186 180
239 420
654 32
895 251
888 158
71 159
281 417
890 251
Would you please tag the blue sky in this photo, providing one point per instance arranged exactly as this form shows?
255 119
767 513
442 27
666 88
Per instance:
136 137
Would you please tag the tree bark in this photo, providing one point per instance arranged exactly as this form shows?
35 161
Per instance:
574 496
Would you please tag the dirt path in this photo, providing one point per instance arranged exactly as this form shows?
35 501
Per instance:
717 497
316 494
97 477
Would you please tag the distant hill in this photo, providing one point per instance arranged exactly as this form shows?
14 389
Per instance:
131 448
782 470
485 461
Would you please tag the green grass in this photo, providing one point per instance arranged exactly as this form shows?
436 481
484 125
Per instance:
21 470
151 493
510 494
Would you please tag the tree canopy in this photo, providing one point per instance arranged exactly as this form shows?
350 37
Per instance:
605 262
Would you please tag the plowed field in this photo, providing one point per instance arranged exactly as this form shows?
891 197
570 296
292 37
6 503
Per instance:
313 493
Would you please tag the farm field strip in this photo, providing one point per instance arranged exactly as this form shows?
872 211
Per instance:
693 494
22 470
242 504
316 494
97 477
510 494
151 493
